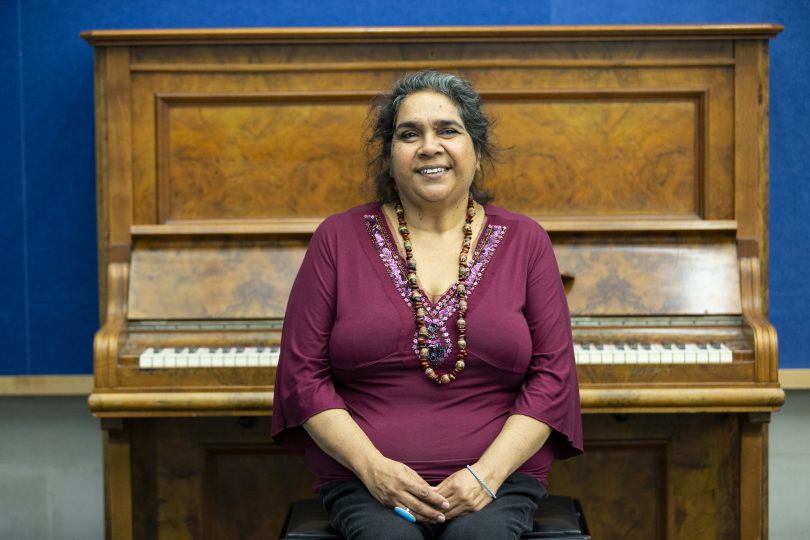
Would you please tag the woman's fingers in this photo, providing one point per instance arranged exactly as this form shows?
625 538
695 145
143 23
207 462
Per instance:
464 494
396 484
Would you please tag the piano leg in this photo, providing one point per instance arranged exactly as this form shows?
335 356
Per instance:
754 475
117 480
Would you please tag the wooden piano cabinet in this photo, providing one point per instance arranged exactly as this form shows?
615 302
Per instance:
643 150
672 476
644 476
200 478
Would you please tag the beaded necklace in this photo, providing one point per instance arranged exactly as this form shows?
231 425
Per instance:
461 295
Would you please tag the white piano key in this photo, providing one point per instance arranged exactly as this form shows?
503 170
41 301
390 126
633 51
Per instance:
275 352
630 353
726 355
714 353
643 354
603 355
664 353
194 358
251 356
205 357
263 354
678 354
159 359
700 353
146 359
217 358
579 355
181 358
228 357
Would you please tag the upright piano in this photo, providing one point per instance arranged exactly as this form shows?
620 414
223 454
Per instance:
643 150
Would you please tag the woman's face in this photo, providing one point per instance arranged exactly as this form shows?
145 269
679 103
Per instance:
433 159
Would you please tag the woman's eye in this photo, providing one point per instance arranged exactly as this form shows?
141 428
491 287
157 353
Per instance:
407 135
449 131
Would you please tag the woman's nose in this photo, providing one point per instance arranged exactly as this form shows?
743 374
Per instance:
431 144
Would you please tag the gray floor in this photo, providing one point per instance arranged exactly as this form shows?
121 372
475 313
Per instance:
51 470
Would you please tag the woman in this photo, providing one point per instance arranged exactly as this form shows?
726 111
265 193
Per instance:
427 364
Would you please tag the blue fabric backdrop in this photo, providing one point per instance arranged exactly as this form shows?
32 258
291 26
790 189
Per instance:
48 291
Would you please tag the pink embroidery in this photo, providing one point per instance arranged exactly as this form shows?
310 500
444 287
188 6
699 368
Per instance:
437 315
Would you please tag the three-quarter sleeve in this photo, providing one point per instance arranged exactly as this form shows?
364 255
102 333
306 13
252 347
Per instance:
550 392
303 385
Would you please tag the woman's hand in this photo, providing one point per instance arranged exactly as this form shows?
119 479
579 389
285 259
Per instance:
464 493
395 484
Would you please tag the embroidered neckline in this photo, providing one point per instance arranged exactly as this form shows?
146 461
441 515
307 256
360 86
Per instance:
436 315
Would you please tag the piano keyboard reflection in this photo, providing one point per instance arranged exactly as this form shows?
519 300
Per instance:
205 357
656 353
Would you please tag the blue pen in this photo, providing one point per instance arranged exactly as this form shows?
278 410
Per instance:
405 514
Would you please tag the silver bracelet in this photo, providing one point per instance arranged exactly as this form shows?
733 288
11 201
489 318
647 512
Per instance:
486 487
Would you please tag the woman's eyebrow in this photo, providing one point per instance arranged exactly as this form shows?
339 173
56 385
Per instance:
443 123
408 124
438 123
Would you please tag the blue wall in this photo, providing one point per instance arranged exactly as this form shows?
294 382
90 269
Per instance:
48 312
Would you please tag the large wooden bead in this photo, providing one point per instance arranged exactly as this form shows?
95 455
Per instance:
462 305
462 344
430 373
424 352
412 279
445 379
461 323
461 288
460 365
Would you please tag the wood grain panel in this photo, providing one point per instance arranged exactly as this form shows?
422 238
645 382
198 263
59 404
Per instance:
644 154
250 157
656 476
235 474
212 478
213 278
660 275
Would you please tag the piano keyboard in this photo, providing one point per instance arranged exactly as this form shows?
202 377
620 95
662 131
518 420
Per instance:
586 353
204 357
655 353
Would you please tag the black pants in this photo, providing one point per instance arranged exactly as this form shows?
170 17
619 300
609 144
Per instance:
359 516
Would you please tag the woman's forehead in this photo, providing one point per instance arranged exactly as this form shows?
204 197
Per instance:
428 105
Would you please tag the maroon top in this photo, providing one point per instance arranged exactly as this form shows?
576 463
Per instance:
349 343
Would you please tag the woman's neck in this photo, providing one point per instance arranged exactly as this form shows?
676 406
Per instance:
435 218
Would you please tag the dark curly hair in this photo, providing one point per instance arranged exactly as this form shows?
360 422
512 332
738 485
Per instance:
383 117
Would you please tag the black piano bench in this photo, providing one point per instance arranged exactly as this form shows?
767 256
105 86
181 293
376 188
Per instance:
557 517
